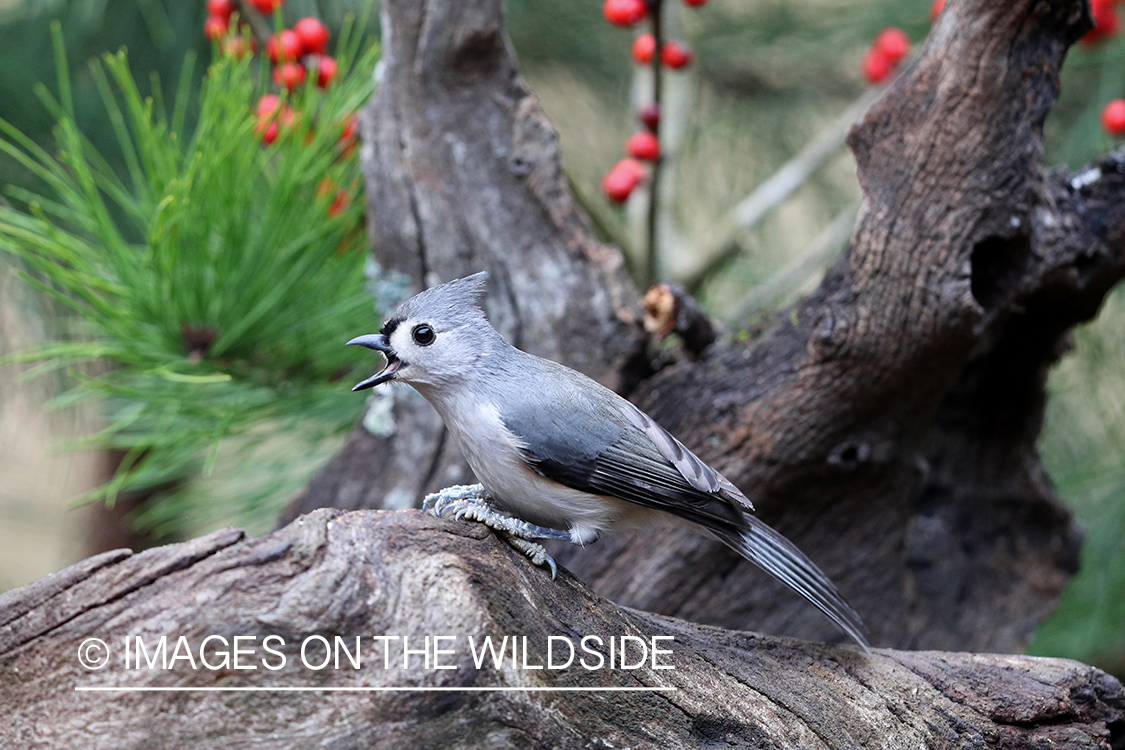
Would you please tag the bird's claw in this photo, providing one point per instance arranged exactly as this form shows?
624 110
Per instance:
471 502
533 551
452 499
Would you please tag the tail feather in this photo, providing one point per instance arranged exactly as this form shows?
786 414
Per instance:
779 557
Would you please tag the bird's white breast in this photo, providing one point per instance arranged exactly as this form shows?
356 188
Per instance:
493 453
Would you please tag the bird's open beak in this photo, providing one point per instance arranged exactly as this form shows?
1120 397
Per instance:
379 343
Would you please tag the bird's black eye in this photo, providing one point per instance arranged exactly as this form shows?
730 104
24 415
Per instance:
423 335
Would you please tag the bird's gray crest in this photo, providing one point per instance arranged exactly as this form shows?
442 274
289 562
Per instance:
456 301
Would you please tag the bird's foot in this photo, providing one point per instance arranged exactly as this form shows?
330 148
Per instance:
533 551
471 501
447 501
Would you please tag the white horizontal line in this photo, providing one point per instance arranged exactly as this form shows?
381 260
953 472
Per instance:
363 689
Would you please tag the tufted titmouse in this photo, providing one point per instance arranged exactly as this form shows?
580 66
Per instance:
560 456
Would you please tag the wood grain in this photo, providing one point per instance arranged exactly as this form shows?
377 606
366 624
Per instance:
375 573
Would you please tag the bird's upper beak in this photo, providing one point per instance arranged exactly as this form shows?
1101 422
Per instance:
379 343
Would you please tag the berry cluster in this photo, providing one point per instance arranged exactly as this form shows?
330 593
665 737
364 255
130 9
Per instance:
294 52
299 50
674 55
882 58
273 116
892 46
644 145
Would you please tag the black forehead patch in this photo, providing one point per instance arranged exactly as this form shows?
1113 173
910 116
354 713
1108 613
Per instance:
389 326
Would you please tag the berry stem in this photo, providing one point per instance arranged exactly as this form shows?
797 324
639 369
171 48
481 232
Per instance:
651 260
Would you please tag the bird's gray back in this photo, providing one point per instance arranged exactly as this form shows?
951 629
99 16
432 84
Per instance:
585 436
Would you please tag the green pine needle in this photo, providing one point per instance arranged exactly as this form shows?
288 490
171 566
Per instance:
211 284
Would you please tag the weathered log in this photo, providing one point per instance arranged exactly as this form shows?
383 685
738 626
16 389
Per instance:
887 423
379 573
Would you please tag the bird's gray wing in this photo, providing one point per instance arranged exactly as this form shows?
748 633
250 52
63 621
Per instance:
698 474
601 446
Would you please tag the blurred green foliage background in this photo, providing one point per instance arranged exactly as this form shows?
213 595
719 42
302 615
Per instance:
202 281
770 75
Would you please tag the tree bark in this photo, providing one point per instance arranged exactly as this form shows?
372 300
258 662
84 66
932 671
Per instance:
463 175
376 573
886 424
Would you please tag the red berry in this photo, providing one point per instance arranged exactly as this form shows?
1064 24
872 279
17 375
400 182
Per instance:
286 47
695 3
221 8
676 55
617 187
272 116
620 181
624 12
267 6
876 67
650 116
1113 117
268 130
268 104
644 47
894 44
347 142
326 68
1107 24
215 27
340 203
643 145
936 9
290 75
313 35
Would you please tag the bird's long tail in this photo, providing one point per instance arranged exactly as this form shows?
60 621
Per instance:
779 557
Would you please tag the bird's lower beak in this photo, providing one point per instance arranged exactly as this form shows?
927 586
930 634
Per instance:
379 343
